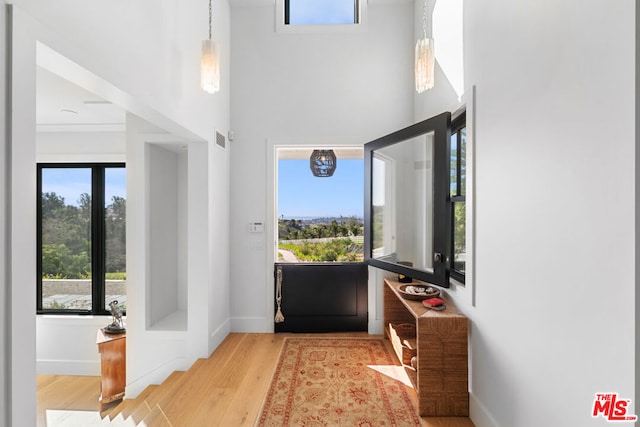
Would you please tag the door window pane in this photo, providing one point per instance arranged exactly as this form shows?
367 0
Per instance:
402 202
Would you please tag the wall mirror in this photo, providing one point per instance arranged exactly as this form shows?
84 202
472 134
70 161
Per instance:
407 217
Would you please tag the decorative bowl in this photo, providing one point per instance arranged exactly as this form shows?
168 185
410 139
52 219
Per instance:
417 291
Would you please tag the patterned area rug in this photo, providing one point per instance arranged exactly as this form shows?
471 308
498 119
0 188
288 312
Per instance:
337 382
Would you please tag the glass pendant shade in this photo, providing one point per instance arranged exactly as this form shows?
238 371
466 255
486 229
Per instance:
424 65
210 67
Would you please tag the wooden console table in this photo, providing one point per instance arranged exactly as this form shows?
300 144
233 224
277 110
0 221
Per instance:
440 376
113 366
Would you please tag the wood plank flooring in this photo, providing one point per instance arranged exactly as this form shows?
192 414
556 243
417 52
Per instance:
227 389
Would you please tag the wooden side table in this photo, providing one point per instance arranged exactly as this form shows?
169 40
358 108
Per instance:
440 376
113 366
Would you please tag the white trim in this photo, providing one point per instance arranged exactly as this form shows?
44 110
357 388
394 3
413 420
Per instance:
478 413
217 336
470 99
359 27
253 324
468 291
82 158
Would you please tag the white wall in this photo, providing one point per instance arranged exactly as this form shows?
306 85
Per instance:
149 50
22 217
164 257
637 197
553 321
142 57
63 147
219 243
66 345
303 87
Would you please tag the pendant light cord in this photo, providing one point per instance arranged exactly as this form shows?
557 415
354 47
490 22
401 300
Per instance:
209 19
424 20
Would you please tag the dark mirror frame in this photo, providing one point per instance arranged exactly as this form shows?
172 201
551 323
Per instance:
440 125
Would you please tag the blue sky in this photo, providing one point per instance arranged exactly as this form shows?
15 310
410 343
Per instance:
302 195
321 12
70 183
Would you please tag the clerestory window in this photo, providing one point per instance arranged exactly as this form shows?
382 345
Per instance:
81 231
325 12
321 16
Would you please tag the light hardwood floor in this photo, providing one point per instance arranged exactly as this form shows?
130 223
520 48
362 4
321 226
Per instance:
226 389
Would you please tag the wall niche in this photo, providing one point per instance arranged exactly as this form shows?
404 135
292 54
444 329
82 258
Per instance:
167 237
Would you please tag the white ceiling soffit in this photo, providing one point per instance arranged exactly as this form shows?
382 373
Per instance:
100 90
245 3
63 106
300 153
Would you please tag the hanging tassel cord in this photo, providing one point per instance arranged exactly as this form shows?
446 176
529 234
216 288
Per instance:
279 316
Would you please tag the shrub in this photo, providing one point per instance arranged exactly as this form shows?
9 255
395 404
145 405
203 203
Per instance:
116 275
343 250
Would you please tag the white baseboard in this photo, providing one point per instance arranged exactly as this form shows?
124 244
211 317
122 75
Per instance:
219 335
157 376
376 327
252 324
478 413
68 367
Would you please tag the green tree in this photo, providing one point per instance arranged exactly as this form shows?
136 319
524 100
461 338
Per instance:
51 203
55 258
65 224
116 235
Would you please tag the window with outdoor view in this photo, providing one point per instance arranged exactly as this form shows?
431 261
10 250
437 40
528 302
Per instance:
458 196
325 12
81 257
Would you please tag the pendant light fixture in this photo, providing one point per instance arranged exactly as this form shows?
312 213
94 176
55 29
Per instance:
210 63
425 58
322 163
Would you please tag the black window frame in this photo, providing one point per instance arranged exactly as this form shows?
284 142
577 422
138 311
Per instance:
98 236
458 123
356 14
